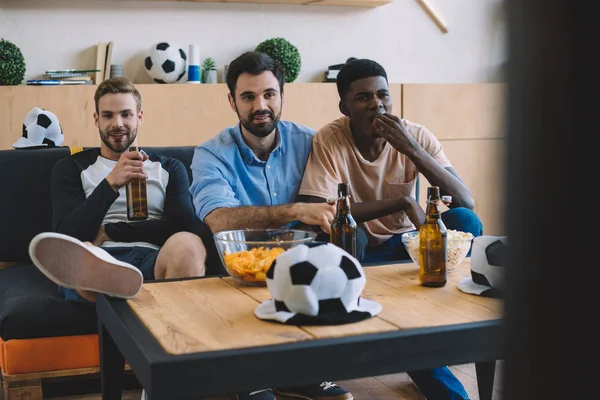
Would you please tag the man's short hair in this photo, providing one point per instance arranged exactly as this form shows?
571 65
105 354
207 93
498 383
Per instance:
117 85
253 63
357 69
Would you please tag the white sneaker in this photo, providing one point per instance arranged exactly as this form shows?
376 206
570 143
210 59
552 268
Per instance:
69 262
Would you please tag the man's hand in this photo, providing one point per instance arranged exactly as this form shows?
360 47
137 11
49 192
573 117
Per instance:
392 129
130 166
320 214
414 212
101 237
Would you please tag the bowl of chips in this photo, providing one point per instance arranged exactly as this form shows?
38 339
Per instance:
247 254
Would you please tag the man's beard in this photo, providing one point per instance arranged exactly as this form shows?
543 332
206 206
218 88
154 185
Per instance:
121 146
260 130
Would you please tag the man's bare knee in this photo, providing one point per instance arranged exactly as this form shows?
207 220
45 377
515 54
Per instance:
183 255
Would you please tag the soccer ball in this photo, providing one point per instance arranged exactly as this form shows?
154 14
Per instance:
316 280
40 128
166 63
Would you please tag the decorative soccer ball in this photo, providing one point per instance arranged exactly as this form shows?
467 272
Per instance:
40 128
316 280
166 63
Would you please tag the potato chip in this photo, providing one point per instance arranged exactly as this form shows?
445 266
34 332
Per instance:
252 265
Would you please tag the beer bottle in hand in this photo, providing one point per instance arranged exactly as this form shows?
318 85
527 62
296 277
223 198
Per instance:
432 243
137 202
343 226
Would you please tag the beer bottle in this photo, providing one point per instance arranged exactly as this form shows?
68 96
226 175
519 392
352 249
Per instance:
432 243
343 226
137 202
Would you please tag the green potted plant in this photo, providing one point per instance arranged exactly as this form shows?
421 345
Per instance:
209 70
12 64
286 53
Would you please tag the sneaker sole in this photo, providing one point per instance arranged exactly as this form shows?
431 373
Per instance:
293 396
68 262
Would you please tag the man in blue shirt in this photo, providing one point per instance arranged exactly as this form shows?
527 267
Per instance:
249 174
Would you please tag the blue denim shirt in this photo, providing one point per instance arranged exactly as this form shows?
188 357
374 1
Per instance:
227 173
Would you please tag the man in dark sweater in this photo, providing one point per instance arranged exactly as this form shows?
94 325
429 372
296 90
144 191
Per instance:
95 248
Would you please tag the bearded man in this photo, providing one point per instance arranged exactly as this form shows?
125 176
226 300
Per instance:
249 174
94 248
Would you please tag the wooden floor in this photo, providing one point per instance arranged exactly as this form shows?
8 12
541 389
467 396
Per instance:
386 387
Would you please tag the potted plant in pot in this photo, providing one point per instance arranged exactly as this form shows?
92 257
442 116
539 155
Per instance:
209 70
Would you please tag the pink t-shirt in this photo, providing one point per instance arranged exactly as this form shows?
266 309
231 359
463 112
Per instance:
335 158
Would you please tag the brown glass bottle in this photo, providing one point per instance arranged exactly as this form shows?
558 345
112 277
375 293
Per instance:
433 240
343 226
137 202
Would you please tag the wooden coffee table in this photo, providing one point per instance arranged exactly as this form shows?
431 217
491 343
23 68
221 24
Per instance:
199 337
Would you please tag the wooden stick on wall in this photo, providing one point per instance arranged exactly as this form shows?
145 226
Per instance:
434 15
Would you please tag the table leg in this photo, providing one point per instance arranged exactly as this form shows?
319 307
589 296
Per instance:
485 379
112 366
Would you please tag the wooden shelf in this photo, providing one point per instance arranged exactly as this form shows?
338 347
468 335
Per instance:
352 3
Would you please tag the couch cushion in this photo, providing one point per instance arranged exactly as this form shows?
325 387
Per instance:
25 206
22 356
30 307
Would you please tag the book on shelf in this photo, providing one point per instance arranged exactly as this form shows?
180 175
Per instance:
104 52
57 82
108 60
78 75
76 78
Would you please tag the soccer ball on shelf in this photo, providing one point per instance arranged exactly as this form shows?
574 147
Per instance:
166 63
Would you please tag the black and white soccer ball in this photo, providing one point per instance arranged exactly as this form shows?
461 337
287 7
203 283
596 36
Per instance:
316 280
41 128
166 63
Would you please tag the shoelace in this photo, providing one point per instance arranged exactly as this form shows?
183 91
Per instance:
328 385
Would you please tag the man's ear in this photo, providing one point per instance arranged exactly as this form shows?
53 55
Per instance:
140 117
231 102
344 108
96 120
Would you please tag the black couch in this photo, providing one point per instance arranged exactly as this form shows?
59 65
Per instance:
30 306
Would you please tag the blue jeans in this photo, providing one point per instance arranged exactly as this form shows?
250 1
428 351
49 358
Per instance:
459 218
439 384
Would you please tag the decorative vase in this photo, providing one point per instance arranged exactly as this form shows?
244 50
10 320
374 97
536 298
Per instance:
209 76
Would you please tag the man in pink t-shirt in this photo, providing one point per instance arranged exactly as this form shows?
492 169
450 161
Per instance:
381 157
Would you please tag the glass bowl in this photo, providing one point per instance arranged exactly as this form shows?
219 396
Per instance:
459 244
247 254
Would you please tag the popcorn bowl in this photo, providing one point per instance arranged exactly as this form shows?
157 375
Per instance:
459 244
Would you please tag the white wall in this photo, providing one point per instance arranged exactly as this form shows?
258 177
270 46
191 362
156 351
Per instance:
56 34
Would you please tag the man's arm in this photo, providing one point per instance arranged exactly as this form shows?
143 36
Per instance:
320 180
178 213
73 214
216 203
392 129
270 217
370 210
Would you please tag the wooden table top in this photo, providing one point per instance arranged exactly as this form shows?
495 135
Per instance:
218 313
